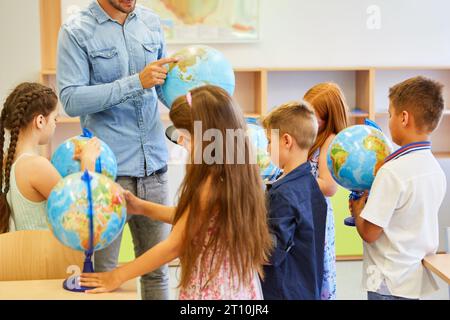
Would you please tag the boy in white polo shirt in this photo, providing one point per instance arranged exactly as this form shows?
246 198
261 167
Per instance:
399 222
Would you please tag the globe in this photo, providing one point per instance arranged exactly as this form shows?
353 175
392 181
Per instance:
355 156
259 140
198 66
63 158
68 214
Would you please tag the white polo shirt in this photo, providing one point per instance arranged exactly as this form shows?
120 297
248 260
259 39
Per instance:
404 201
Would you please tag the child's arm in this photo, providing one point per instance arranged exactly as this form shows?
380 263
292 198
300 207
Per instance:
325 180
368 231
162 253
146 208
44 179
157 256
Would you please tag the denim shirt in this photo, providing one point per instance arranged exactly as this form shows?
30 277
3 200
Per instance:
297 218
99 61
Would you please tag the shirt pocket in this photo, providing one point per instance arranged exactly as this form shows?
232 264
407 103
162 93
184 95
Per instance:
105 65
151 51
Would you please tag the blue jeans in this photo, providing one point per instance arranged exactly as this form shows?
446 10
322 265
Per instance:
145 233
376 296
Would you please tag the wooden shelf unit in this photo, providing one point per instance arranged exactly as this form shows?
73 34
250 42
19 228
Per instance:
257 92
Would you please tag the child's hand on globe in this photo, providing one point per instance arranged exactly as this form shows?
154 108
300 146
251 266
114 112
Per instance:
357 206
91 151
88 154
102 282
134 204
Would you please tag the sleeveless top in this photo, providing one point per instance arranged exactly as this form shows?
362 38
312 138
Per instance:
25 214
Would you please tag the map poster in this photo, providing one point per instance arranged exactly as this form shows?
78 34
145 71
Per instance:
197 21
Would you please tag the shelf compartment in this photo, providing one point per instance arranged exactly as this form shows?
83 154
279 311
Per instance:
385 78
284 86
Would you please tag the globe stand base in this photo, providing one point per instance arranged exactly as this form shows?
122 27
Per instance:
73 283
350 222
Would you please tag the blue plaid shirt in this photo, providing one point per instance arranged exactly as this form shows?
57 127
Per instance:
99 61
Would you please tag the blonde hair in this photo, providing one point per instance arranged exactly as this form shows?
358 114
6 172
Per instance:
329 104
296 119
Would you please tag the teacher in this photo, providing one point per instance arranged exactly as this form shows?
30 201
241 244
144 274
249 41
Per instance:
110 69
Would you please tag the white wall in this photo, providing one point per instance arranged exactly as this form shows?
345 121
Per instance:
293 33
298 33
334 33
20 53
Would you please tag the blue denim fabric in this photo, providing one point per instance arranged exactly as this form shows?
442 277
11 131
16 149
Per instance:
99 61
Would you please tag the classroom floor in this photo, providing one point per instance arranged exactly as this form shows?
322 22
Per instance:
349 276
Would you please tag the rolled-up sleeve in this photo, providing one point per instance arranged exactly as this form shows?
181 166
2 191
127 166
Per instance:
78 97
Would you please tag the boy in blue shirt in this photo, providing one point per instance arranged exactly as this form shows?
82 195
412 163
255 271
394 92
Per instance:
297 207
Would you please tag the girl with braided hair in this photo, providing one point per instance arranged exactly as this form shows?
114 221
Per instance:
30 114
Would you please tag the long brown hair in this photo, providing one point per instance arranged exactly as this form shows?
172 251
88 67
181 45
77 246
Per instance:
235 196
27 101
330 105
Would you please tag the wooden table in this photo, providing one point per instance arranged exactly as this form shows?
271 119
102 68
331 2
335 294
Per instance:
440 265
53 290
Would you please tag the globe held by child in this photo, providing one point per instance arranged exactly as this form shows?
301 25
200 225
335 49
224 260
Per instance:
355 156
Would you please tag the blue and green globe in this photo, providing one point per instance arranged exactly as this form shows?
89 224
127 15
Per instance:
198 66
63 159
355 156
258 138
68 214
